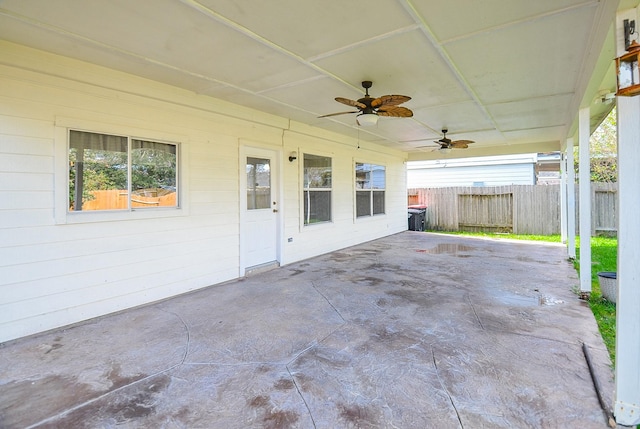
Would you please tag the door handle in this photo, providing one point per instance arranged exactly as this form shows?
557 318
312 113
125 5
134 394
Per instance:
275 210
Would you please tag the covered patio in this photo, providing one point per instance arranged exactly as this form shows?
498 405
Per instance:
414 330
230 86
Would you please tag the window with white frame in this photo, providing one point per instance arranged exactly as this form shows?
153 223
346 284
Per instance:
317 189
112 172
370 189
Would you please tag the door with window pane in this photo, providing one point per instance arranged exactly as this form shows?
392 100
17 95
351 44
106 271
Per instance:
259 205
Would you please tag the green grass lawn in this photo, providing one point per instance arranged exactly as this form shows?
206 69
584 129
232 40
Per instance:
604 253
550 238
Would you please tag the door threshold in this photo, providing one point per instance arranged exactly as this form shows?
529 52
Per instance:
259 269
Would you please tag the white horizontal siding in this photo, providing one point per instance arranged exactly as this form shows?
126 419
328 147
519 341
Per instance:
25 182
58 268
484 175
21 200
20 145
344 230
25 163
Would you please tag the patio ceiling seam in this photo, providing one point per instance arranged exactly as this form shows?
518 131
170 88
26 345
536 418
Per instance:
149 60
431 38
194 4
306 62
599 26
524 20
111 48
360 43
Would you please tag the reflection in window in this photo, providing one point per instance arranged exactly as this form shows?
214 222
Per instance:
317 189
108 172
370 189
258 183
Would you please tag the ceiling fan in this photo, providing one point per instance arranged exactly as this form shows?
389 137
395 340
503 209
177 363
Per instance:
370 108
448 144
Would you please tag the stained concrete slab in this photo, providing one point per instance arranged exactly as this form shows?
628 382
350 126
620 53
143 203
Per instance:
415 330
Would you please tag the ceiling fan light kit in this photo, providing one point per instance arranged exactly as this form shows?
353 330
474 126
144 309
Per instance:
367 119
370 108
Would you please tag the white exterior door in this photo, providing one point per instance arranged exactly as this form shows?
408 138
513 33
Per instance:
259 207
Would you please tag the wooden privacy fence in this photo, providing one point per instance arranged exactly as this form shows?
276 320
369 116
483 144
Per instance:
521 209
115 199
604 208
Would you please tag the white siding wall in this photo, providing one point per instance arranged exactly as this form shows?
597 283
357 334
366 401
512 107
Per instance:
345 230
448 174
58 268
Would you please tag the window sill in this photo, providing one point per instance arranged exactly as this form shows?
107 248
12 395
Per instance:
119 215
311 225
362 218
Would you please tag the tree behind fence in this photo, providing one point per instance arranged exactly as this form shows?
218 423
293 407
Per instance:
521 209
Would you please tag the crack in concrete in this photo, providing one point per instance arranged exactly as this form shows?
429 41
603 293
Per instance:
186 327
539 337
110 392
435 364
313 285
97 398
301 396
474 311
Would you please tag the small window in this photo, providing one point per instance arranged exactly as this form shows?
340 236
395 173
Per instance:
317 189
108 172
370 189
258 183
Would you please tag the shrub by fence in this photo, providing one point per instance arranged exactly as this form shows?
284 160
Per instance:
521 209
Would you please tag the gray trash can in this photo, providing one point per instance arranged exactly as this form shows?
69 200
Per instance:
417 219
608 281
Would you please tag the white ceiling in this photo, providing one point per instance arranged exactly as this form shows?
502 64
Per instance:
508 74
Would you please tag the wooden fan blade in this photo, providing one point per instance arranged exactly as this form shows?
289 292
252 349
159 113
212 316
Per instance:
395 111
353 103
339 113
461 144
389 100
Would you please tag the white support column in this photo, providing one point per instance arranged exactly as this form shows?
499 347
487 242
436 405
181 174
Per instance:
585 202
563 198
627 370
571 201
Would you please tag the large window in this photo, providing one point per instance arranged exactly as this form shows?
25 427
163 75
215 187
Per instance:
108 172
370 188
317 189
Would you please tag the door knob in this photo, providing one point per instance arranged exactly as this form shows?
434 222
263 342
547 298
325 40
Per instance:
275 210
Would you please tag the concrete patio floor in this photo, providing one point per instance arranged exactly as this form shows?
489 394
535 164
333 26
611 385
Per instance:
415 330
